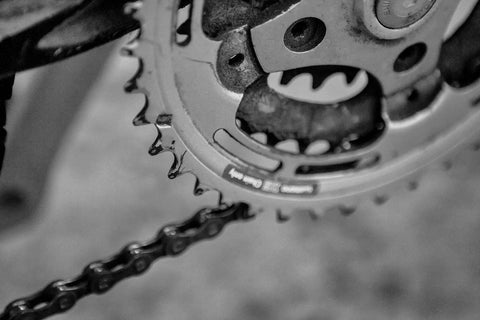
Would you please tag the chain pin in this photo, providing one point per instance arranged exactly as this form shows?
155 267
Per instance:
66 302
141 265
214 229
178 246
104 283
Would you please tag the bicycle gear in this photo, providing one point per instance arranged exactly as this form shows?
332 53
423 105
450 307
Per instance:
207 70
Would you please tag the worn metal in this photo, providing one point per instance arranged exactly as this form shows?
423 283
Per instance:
223 16
286 118
460 55
349 43
135 259
38 32
237 65
192 95
207 125
401 14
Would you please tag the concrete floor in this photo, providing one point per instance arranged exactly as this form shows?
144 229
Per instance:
416 257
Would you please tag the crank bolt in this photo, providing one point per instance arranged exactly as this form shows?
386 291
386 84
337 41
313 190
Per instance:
398 14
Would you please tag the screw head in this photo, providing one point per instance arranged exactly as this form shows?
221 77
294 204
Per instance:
398 14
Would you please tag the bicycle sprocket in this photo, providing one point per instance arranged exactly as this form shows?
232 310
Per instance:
207 68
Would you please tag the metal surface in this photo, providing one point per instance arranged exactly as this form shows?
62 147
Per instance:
349 43
38 32
419 123
134 260
401 14
183 92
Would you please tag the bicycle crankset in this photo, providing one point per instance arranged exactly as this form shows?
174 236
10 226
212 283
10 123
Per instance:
240 92
218 79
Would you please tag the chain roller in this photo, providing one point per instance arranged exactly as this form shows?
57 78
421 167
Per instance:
133 260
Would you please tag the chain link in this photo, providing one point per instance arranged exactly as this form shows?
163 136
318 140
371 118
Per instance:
134 260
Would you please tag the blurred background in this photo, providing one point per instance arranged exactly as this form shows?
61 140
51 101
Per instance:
415 257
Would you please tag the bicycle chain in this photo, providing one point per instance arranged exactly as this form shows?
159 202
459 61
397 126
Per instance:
134 260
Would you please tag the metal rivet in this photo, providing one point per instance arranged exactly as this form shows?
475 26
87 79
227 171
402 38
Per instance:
213 229
66 303
141 265
178 246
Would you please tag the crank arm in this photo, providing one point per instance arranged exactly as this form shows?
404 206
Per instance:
38 32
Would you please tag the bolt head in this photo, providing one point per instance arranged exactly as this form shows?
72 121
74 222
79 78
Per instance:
398 14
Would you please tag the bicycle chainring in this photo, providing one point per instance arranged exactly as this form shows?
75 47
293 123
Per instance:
216 76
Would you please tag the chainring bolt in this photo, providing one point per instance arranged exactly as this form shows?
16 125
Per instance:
305 34
473 67
398 14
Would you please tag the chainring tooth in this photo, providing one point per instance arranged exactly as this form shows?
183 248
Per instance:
363 172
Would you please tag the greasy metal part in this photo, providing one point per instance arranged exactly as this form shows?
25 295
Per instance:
236 64
133 260
349 43
38 32
406 103
223 16
407 147
38 132
197 106
264 110
460 55
401 14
